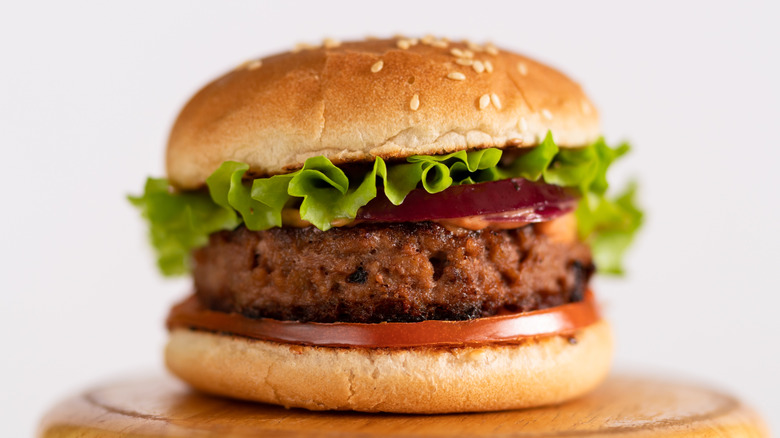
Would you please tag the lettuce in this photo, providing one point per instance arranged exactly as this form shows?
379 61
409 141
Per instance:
179 222
324 194
609 225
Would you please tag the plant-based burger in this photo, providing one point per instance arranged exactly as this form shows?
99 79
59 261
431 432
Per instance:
400 225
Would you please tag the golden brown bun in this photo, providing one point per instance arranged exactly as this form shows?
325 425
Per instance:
275 113
422 380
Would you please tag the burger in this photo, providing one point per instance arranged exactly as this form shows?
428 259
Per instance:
389 225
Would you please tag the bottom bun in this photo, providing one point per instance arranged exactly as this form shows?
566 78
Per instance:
421 380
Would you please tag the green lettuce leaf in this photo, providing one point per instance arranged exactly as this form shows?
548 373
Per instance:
531 165
179 222
441 171
229 192
324 194
610 226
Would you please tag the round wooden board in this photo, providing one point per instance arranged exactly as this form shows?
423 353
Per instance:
626 405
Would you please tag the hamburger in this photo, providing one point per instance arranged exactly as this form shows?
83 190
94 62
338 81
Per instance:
394 225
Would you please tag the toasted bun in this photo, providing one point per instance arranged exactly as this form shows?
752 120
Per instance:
335 101
421 380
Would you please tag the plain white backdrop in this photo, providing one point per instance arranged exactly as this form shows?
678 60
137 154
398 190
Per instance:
88 91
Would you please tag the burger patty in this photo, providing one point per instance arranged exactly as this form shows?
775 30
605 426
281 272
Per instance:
388 272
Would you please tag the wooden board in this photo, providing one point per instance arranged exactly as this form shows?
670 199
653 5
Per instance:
626 405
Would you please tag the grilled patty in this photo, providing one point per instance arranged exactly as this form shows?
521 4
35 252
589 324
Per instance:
388 272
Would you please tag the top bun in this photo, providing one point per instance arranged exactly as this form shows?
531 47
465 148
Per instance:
389 98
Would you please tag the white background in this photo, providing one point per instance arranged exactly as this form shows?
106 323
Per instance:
89 90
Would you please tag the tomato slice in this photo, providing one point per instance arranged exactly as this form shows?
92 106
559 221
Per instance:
505 328
506 200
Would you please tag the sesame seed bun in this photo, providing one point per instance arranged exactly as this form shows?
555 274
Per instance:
538 372
389 98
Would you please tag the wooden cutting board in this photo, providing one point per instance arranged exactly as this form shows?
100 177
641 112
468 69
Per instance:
624 406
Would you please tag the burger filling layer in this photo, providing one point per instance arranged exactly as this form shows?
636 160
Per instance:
377 272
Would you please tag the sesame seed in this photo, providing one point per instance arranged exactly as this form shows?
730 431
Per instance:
468 54
473 46
547 114
413 41
464 61
441 44
479 67
428 39
249 64
523 124
522 68
488 66
304 46
377 66
403 44
414 103
586 109
484 101
490 48
330 43
457 52
496 101
457 76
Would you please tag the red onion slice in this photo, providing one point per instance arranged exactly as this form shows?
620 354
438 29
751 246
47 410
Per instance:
505 200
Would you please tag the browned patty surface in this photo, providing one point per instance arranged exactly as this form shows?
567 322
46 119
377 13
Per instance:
387 272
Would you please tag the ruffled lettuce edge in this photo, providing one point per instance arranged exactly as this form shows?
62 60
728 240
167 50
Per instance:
323 193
